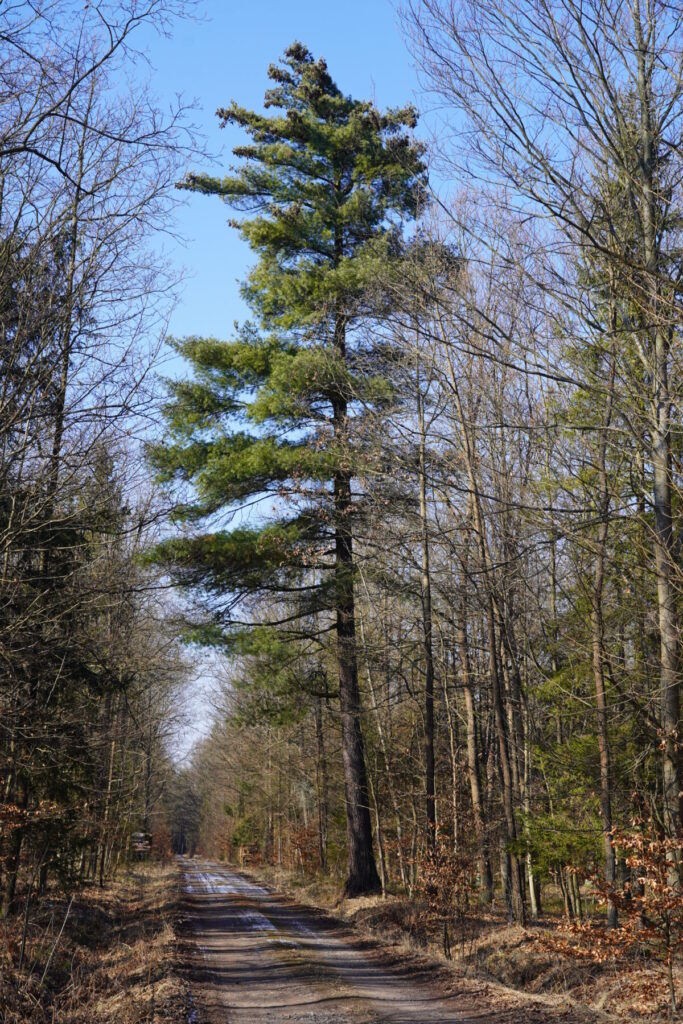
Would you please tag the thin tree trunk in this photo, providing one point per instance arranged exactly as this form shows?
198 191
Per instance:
323 799
105 816
531 879
14 857
517 884
669 626
452 751
598 647
380 838
568 909
387 767
426 592
485 873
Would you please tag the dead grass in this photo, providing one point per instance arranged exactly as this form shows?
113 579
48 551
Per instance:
510 962
116 961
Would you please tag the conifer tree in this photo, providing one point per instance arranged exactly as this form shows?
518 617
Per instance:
271 419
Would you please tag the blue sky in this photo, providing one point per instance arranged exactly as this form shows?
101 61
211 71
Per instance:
224 56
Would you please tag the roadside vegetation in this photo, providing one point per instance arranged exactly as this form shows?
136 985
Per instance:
105 956
545 970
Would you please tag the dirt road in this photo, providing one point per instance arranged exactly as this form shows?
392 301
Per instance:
260 958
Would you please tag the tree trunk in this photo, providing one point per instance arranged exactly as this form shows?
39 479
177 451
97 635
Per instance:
426 591
598 646
362 877
658 327
380 838
13 857
568 908
452 751
105 816
321 772
485 873
390 782
530 875
499 709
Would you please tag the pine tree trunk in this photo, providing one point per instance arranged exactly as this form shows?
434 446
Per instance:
362 877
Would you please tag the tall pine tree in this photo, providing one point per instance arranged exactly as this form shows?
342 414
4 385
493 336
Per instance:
270 420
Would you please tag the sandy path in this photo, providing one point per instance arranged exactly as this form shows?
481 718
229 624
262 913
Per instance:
260 958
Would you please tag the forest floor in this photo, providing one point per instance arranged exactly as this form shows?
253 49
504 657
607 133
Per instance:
507 970
196 942
256 956
115 962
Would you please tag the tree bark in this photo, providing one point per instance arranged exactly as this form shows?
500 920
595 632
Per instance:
485 873
452 751
426 593
362 876
498 698
323 787
598 650
658 328
390 783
